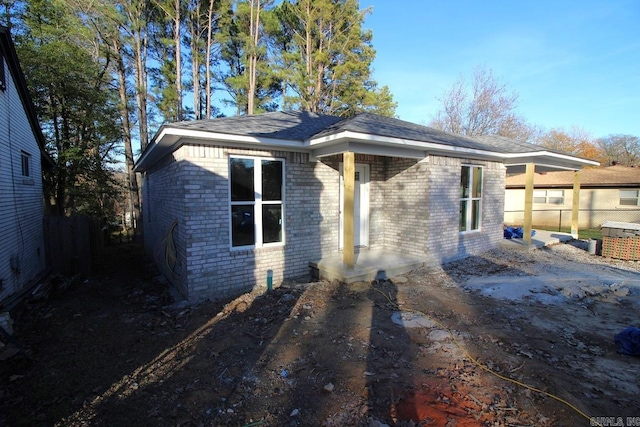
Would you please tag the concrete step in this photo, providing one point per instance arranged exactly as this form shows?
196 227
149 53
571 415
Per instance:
369 266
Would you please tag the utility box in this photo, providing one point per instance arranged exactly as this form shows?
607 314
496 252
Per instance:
621 240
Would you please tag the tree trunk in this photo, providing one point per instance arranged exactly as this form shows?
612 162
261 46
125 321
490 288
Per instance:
195 59
177 28
254 24
134 198
140 55
208 60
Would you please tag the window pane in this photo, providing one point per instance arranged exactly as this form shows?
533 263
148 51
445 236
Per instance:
271 223
556 200
463 215
464 182
628 194
242 226
475 215
242 180
271 180
539 200
629 202
477 182
25 164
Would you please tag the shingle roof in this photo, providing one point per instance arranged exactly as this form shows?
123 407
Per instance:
612 176
373 124
324 134
302 125
291 125
509 145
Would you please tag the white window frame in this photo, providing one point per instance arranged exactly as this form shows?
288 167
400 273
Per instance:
547 196
469 200
257 203
628 197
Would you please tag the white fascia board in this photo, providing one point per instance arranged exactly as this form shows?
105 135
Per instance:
213 137
409 143
518 157
371 149
169 139
443 148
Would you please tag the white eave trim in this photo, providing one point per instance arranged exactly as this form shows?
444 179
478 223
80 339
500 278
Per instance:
534 154
214 136
170 137
407 143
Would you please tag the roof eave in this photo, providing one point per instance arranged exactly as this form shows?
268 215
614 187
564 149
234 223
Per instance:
169 138
383 145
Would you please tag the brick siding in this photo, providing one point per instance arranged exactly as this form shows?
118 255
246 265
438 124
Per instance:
411 205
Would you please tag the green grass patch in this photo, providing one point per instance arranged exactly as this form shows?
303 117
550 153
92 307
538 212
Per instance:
587 233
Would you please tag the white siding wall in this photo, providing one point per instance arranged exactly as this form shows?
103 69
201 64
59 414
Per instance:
591 199
21 205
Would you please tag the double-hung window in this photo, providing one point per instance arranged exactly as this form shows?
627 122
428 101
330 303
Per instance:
548 197
470 198
257 190
629 198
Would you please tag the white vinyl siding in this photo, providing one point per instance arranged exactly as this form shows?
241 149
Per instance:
21 206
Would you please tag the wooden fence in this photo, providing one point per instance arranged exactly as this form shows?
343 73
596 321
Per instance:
72 243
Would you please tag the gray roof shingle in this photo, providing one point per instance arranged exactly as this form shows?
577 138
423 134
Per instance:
292 125
302 125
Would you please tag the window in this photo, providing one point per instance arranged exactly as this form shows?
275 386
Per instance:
256 201
549 197
470 198
629 197
25 157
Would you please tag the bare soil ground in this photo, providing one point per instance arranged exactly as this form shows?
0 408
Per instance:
115 350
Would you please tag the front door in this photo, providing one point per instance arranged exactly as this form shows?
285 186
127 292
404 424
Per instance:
360 205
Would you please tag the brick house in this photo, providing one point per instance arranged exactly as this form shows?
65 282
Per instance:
225 201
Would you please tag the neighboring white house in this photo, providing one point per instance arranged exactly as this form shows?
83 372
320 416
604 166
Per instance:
228 201
606 194
22 246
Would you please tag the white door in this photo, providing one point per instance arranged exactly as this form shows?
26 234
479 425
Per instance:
360 205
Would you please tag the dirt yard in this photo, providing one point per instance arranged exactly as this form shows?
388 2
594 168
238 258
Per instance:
115 350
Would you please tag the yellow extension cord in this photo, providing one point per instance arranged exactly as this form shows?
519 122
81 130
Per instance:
486 368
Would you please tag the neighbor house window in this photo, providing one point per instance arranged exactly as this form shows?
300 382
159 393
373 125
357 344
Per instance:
549 197
470 198
256 201
25 158
629 197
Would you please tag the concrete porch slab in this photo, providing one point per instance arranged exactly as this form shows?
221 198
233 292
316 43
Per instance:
541 239
370 265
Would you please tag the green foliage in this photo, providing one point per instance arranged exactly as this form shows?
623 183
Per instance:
328 59
236 49
70 87
304 54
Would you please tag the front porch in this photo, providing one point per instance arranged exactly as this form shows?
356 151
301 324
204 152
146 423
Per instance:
369 265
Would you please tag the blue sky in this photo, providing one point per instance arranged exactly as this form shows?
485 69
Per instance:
572 63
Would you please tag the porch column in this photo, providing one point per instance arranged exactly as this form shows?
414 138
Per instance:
348 249
575 208
528 202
